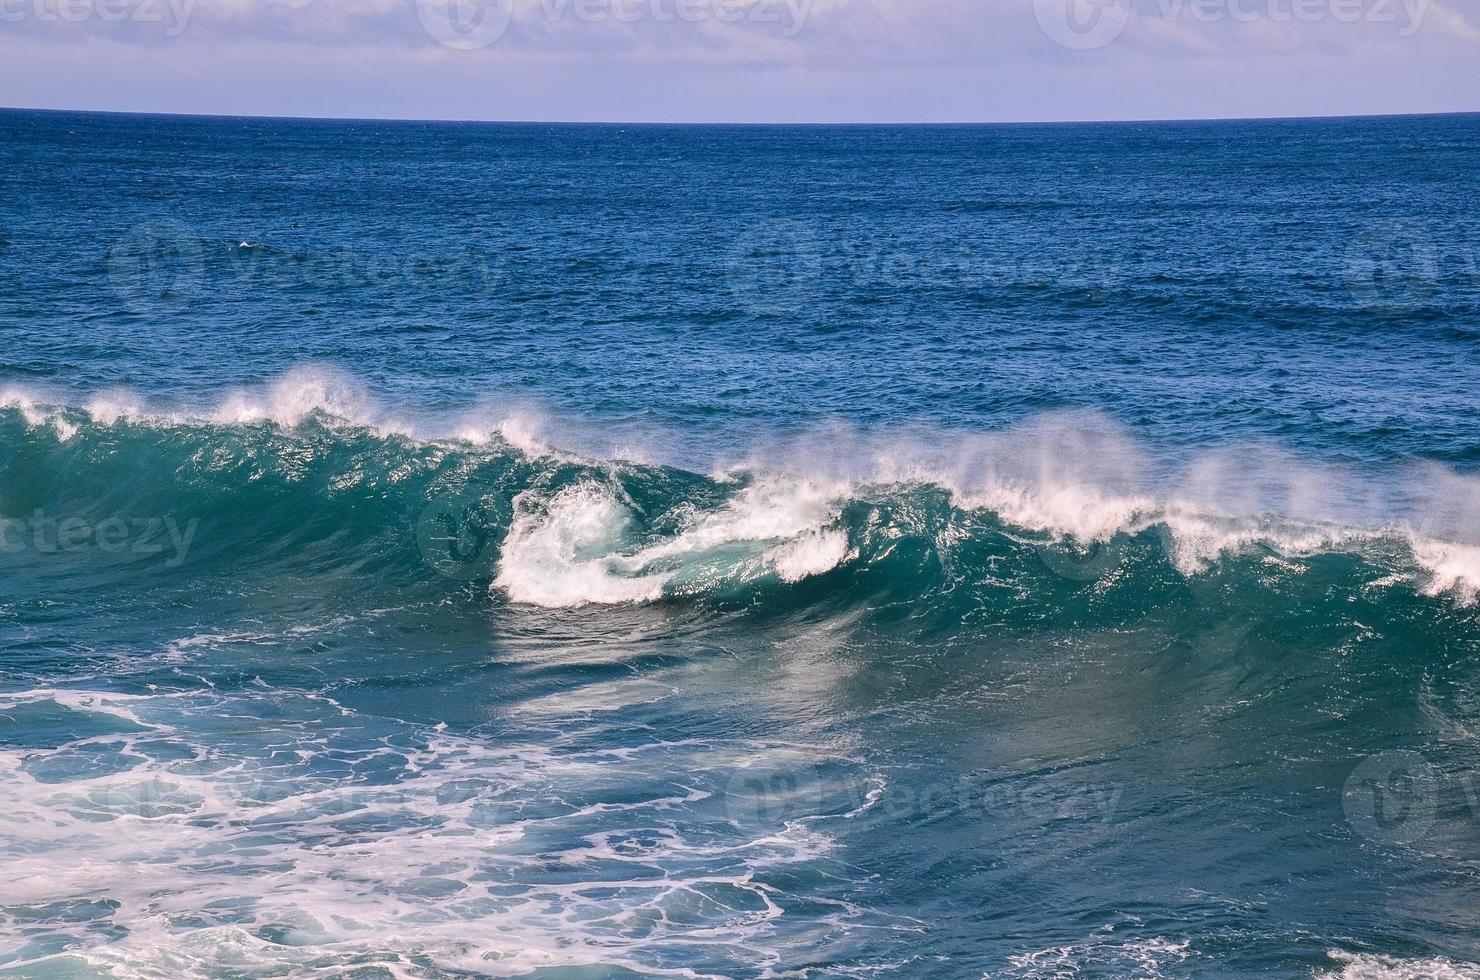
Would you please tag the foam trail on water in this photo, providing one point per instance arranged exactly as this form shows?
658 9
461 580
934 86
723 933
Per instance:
1145 959
1371 966
417 853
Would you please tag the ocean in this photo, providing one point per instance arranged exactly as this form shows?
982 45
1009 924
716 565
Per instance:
446 550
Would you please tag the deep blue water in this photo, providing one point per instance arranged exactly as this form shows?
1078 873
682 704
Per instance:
440 550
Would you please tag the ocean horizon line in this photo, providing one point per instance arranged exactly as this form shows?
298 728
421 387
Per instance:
757 124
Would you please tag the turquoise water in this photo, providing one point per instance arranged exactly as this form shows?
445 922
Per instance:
441 550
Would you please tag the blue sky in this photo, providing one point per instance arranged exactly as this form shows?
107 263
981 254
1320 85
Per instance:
744 60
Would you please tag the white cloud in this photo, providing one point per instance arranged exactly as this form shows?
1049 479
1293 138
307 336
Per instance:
777 59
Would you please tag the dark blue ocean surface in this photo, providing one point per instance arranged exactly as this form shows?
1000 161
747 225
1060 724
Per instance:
447 550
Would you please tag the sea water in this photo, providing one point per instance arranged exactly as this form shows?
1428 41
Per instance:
445 550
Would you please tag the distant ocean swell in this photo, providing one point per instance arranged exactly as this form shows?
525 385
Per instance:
779 266
310 472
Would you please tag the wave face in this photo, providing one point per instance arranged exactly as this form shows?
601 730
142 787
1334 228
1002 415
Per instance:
275 480
1019 552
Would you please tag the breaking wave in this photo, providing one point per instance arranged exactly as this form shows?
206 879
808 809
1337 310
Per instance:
311 470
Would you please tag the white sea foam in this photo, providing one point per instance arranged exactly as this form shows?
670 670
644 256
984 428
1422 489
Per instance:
83 702
1075 478
290 399
1452 569
37 412
811 554
1104 954
567 552
1371 966
305 391
110 407
1081 477
415 852
579 547
521 426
